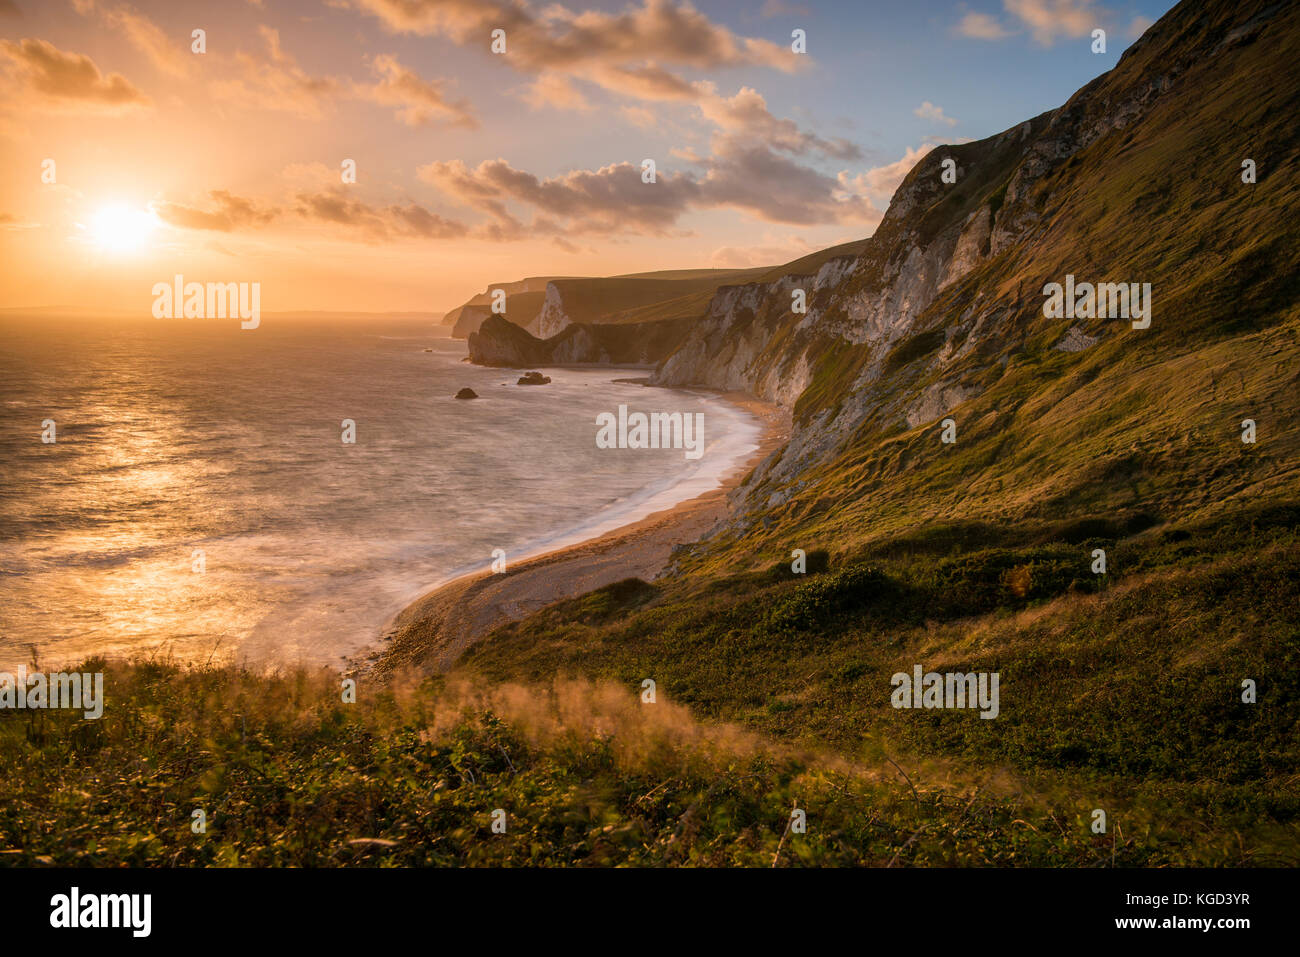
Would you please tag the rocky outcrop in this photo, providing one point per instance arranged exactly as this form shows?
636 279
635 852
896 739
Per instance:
1075 340
467 393
933 235
468 319
501 343
534 378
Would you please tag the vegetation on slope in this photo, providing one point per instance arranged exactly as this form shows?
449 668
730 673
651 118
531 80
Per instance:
1096 671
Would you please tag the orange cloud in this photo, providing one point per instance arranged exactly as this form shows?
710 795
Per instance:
555 91
746 115
614 199
422 102
881 182
982 26
143 34
231 212
277 83
380 222
618 51
42 71
928 111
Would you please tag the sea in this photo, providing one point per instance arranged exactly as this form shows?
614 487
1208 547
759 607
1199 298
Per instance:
183 490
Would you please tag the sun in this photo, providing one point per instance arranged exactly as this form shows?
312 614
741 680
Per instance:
119 228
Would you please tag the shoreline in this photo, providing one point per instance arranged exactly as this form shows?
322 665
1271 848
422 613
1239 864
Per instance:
433 631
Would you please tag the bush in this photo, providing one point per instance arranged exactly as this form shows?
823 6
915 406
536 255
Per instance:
817 601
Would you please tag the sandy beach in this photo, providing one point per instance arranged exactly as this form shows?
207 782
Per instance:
436 629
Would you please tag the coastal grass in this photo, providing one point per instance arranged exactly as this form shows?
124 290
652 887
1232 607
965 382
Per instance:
411 775
1125 687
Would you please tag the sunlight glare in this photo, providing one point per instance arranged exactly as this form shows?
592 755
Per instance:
120 229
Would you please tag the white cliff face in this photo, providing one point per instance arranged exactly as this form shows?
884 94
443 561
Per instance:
552 318
934 235
887 314
724 349
971 246
733 346
750 341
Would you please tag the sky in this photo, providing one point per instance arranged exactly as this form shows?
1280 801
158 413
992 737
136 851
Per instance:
128 155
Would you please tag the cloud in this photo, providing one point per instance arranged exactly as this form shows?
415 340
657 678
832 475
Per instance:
621 52
1138 26
743 116
982 27
1044 19
928 111
777 189
610 199
634 53
231 213
646 81
143 34
881 182
1048 19
556 37
67 80
311 175
746 115
613 199
277 83
408 220
422 102
567 246
639 116
555 91
779 8
228 213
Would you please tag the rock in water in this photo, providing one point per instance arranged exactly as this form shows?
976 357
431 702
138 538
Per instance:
467 394
533 378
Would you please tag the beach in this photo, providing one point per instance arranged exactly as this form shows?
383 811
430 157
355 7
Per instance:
431 633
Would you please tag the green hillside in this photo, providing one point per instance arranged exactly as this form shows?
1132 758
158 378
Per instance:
1120 690
808 265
